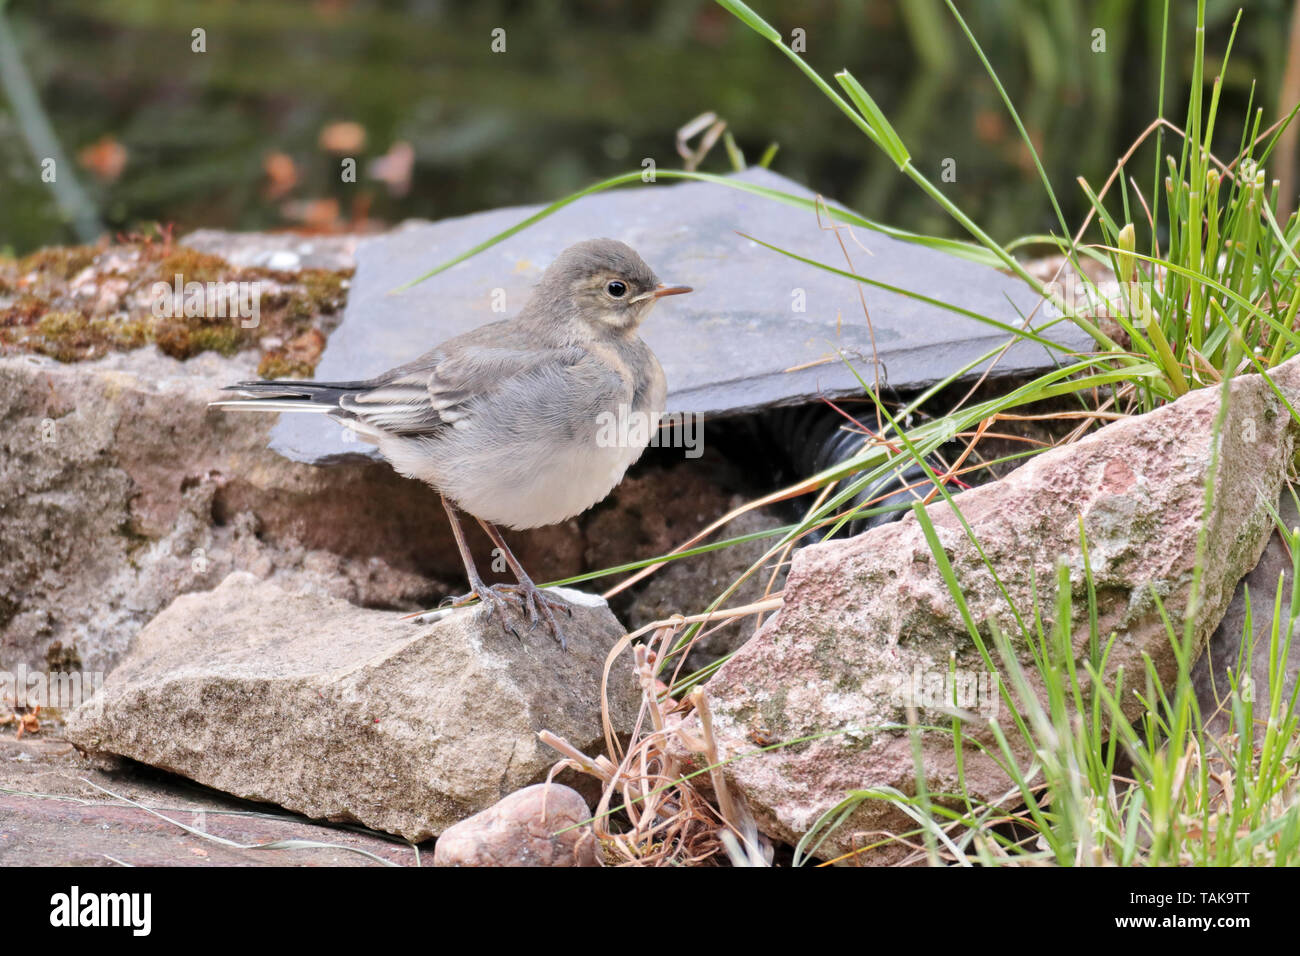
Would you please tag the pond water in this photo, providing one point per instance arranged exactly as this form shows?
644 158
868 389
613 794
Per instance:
253 131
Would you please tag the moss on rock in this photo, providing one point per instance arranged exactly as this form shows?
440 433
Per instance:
78 302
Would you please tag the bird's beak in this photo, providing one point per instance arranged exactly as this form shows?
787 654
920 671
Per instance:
662 290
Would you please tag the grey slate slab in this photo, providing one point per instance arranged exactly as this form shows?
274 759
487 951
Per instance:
733 345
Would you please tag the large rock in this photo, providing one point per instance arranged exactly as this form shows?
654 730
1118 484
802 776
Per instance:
865 617
120 489
348 714
54 811
760 328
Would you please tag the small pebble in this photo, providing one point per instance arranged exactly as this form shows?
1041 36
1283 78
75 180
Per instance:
535 826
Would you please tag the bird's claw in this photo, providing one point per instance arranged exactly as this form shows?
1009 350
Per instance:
532 601
540 606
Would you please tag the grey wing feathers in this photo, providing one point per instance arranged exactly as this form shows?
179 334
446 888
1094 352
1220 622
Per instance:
419 399
401 406
436 392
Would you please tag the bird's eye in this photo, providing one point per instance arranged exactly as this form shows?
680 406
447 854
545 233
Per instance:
617 289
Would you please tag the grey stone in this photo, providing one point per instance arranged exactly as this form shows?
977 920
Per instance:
361 716
120 489
55 811
282 251
1256 593
735 344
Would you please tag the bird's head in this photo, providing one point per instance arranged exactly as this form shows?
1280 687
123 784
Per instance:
603 284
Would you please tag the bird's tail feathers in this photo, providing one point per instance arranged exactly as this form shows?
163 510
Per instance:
288 395
272 405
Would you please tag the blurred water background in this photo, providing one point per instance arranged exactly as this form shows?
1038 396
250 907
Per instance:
251 133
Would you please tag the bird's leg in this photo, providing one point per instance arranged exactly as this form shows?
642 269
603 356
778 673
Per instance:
535 600
494 600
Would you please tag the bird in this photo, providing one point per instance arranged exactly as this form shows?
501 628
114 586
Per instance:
509 421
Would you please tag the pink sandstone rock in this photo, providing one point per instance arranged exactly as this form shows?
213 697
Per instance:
865 617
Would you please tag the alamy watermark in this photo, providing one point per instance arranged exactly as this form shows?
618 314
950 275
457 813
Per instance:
63 690
131 911
976 691
212 300
628 428
1131 300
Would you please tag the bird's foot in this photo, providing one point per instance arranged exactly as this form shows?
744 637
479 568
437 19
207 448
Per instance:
502 599
539 606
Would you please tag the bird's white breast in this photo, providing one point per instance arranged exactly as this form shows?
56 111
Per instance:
561 484
541 480
543 447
